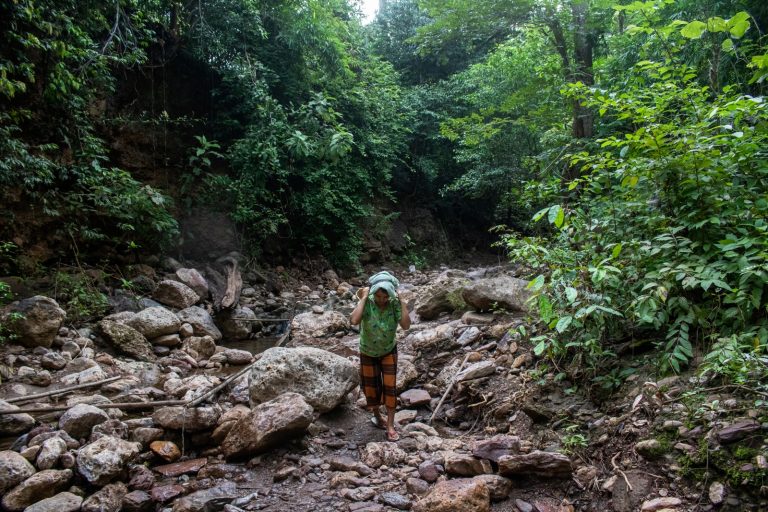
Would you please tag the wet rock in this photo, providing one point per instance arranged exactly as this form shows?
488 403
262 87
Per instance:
495 447
14 469
53 361
546 464
127 340
717 493
738 430
166 450
207 499
37 487
137 501
105 459
62 502
660 503
312 325
237 324
201 322
395 500
414 398
476 371
379 454
12 424
459 495
155 322
180 468
194 280
498 486
269 424
190 419
497 292
466 465
175 294
107 499
35 320
50 452
443 294
323 378
80 419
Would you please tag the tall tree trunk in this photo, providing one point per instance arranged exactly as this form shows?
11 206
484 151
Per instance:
583 119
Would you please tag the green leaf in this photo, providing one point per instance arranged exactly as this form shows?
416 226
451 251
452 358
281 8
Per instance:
739 24
571 294
536 284
556 215
616 251
563 323
727 45
540 348
694 29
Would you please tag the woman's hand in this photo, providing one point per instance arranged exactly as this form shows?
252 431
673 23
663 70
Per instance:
362 292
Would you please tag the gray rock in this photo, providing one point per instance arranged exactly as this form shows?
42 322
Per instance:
648 448
201 322
237 324
458 495
195 280
108 499
415 398
53 361
268 424
189 419
35 320
199 347
430 471
38 487
738 430
62 502
717 493
127 340
50 452
154 322
407 374
207 499
546 464
238 357
442 295
34 377
175 294
14 469
105 459
80 419
498 486
312 325
660 504
323 378
469 336
496 447
376 455
416 486
503 292
395 500
138 501
11 424
476 371
428 339
465 465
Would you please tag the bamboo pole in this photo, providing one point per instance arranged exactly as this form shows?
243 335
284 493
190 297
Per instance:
450 387
62 390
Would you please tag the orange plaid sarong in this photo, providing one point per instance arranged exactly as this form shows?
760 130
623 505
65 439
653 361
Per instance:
378 378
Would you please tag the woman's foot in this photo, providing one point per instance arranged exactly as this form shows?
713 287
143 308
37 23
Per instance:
392 435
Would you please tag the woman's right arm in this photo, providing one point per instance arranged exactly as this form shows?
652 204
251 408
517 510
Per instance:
357 314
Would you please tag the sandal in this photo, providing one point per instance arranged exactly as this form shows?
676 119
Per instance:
376 422
393 436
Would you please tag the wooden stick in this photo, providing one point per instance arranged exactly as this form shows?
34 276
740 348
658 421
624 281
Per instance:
450 386
62 390
116 405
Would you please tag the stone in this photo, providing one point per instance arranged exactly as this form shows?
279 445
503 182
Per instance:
376 455
498 486
546 464
430 471
107 499
201 322
395 500
476 371
50 452
458 495
80 419
495 447
738 430
428 339
175 294
404 416
105 459
92 374
167 341
180 468
155 322
311 325
407 374
137 501
660 503
163 493
268 424
465 465
471 317
237 324
39 486
14 469
207 499
62 502
190 419
443 294
199 347
166 450
358 494
127 340
504 292
523 506
53 361
194 280
416 486
343 463
237 357
469 336
414 398
321 377
12 424
35 321
34 377
717 493
648 448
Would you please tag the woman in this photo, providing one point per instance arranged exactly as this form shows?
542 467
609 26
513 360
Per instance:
379 312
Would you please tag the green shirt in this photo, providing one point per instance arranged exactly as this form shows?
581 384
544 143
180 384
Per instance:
378 327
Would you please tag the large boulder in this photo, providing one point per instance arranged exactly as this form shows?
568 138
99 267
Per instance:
11 424
459 495
268 425
127 340
80 419
321 377
108 499
14 469
237 324
175 294
38 487
312 325
154 322
504 292
101 461
34 321
428 339
195 280
441 295
201 322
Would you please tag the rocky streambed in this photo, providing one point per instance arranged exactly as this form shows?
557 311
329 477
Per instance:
177 418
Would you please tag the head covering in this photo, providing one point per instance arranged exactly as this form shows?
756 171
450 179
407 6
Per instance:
383 281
